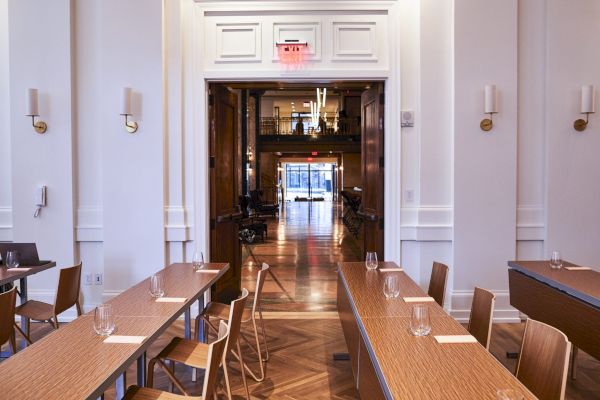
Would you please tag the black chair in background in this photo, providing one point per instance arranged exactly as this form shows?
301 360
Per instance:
260 207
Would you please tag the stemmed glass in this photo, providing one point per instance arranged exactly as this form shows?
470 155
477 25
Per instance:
198 261
420 324
157 286
371 260
104 322
12 259
555 260
390 287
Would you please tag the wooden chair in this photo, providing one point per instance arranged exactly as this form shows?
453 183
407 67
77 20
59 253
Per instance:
222 311
480 321
195 354
437 283
7 318
67 296
544 360
214 354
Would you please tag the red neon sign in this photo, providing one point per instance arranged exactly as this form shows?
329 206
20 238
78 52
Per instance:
291 53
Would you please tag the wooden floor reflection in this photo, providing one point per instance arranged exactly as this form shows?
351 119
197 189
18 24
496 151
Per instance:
303 247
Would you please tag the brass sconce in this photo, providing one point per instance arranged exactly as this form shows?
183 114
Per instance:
490 107
32 111
588 106
132 126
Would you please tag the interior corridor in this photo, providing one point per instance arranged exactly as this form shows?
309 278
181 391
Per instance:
303 247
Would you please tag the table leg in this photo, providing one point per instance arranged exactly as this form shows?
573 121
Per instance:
188 323
141 370
23 299
200 333
121 386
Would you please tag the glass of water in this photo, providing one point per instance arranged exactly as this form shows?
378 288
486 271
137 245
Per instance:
104 322
157 286
198 261
12 259
555 260
420 324
371 260
391 288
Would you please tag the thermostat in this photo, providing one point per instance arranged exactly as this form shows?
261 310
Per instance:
407 119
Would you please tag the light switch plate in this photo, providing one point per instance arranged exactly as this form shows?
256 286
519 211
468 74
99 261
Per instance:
98 279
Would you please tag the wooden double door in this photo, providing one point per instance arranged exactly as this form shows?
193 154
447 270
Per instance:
225 185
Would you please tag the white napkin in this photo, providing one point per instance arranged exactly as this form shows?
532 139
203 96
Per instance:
171 300
19 269
578 268
125 339
455 339
209 271
390 269
417 299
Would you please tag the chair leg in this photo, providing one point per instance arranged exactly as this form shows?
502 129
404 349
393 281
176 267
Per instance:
574 362
264 335
13 342
79 312
171 375
226 373
150 373
243 370
23 334
261 362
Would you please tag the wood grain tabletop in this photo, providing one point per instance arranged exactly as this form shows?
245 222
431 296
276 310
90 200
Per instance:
8 275
73 362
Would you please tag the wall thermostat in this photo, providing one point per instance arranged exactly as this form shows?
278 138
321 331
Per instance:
407 119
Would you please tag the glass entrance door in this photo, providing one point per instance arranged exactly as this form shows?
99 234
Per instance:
309 181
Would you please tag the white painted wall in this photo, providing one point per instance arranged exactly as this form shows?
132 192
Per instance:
127 204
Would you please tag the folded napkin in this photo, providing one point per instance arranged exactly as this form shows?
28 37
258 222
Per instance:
578 268
209 271
390 269
125 339
19 269
455 339
171 300
417 299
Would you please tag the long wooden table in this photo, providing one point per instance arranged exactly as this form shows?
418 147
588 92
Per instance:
74 363
388 362
566 299
9 275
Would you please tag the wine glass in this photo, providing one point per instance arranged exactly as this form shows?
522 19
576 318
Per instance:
12 259
198 261
104 322
420 324
555 260
390 287
157 286
371 260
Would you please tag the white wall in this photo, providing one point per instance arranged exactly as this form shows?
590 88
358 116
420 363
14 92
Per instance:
127 204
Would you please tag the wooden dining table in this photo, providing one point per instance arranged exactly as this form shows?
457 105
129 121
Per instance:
10 275
74 362
389 362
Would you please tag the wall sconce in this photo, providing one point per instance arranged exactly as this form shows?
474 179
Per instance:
32 111
588 106
131 127
490 107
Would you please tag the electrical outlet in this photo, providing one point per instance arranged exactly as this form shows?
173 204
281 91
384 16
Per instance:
410 196
88 279
98 279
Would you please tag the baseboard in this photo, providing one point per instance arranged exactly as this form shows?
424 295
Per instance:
460 307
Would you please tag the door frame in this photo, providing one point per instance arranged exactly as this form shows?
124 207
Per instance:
196 122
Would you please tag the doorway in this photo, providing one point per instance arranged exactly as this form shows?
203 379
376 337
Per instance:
302 165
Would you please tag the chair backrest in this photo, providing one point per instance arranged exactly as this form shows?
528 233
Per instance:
67 293
480 321
215 353
236 310
437 284
544 360
7 314
260 281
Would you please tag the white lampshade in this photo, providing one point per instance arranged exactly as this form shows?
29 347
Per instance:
31 103
588 99
491 99
126 101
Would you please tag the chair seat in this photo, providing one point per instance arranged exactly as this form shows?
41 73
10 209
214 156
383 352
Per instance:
36 310
221 311
188 352
143 393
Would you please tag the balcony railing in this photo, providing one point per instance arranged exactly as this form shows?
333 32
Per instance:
330 127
